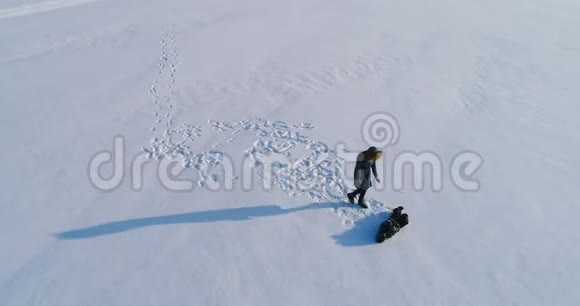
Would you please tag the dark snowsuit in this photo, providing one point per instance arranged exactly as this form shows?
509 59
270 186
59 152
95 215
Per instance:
397 220
362 174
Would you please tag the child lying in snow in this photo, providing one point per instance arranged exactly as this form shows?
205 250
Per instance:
393 225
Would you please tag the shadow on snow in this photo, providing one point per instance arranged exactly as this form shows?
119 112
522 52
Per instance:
362 233
228 214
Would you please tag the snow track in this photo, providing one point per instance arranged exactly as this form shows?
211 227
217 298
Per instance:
318 173
42 7
162 90
290 86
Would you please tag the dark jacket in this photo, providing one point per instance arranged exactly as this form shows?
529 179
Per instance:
396 221
362 170
399 218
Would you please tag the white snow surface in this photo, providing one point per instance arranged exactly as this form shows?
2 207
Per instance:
213 81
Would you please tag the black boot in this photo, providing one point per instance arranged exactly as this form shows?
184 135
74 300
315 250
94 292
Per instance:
361 199
350 198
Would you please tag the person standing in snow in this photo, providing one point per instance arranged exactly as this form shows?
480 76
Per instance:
365 163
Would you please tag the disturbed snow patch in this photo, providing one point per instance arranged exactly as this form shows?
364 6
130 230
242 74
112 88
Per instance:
282 155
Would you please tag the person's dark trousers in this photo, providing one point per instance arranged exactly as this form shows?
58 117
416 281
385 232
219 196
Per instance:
362 193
